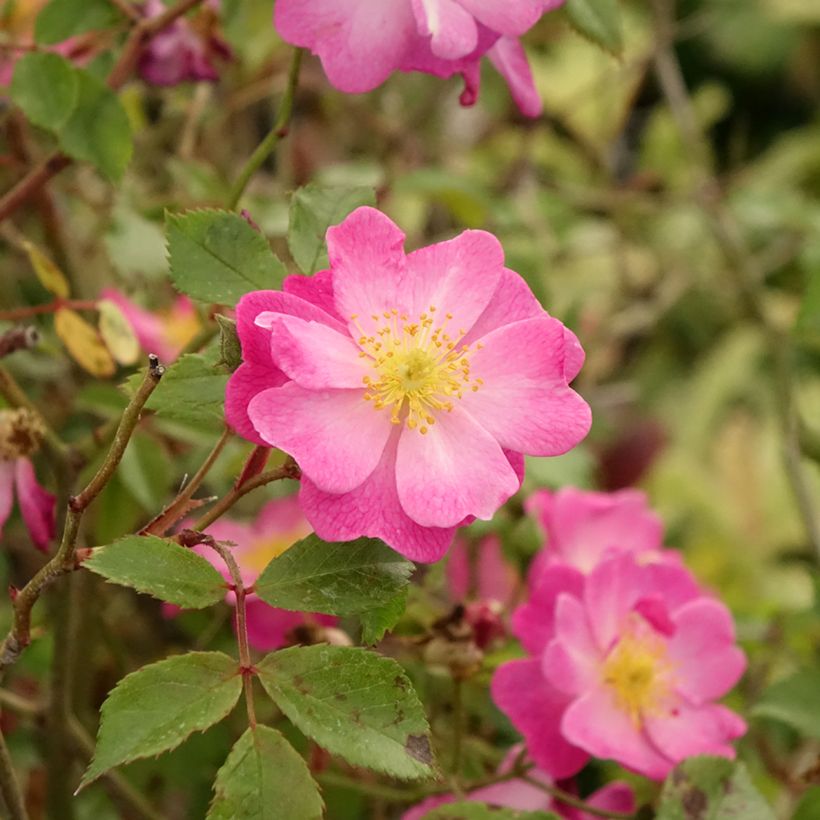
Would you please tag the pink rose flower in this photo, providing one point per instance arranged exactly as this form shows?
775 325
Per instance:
20 434
584 527
279 525
181 53
362 42
626 664
164 333
523 796
405 386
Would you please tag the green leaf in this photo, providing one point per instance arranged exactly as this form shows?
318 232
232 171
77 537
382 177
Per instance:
468 810
264 778
192 391
333 578
216 256
160 568
353 703
45 86
809 806
155 708
230 347
794 700
375 622
711 788
313 209
62 19
598 21
98 130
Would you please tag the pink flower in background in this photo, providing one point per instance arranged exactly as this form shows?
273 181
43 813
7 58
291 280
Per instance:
626 664
164 333
182 53
20 435
583 527
362 42
278 526
405 386
485 582
523 796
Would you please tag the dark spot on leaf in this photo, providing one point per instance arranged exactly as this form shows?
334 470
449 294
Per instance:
694 803
340 696
356 716
400 683
299 683
399 718
418 747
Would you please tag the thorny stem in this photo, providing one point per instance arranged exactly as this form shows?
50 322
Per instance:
141 33
16 314
179 506
241 625
9 787
279 130
287 470
63 561
131 802
742 265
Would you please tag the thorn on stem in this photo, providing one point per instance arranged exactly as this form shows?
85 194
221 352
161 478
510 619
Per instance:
155 367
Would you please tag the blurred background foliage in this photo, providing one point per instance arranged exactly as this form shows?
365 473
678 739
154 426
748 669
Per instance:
599 205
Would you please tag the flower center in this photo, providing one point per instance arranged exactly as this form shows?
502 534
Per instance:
639 674
263 550
20 433
419 367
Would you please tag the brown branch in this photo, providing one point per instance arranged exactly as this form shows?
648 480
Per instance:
288 470
140 35
180 505
18 338
9 787
15 314
64 560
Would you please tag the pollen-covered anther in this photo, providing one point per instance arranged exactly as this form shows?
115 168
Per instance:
418 367
21 432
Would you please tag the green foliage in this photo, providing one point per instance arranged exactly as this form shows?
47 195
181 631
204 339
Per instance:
711 788
45 86
334 578
230 347
155 708
795 700
313 209
61 19
469 810
265 779
809 806
216 256
85 114
192 392
598 21
160 568
377 621
353 703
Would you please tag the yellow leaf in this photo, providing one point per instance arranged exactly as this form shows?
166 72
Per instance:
51 277
83 343
117 333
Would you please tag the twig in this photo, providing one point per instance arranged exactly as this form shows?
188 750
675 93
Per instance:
741 264
63 561
288 470
279 130
178 507
16 314
241 625
141 33
9 786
